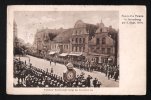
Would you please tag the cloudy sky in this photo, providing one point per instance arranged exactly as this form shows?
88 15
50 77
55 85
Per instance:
29 22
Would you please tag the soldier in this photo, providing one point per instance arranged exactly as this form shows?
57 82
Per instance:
112 72
116 75
51 70
88 80
50 62
54 61
22 76
19 85
98 84
95 82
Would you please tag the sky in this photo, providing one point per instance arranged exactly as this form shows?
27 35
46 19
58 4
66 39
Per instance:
29 21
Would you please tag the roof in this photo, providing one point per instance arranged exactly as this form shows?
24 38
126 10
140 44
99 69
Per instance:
79 23
64 37
102 35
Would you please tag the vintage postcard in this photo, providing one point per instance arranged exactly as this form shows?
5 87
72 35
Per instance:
76 50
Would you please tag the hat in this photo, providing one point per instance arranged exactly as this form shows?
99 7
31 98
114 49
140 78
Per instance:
69 66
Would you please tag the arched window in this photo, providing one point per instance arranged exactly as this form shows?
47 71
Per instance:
103 40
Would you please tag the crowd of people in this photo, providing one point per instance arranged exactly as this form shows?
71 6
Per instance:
30 76
110 70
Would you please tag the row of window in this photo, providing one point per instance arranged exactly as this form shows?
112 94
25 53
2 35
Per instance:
54 46
108 51
66 46
78 40
78 32
78 49
98 41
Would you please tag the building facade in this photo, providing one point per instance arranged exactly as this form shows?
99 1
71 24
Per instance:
95 42
103 45
62 41
81 35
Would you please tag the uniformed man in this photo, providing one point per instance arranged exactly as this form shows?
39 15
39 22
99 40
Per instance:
95 82
88 80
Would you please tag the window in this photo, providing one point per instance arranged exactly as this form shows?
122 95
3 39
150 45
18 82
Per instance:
83 40
67 46
83 49
76 49
103 40
72 39
76 40
108 50
98 47
72 48
79 49
103 50
97 41
80 40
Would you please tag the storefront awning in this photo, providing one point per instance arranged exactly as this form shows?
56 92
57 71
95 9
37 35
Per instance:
96 54
63 54
52 52
75 53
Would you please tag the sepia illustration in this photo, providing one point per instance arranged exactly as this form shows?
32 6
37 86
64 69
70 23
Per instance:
66 49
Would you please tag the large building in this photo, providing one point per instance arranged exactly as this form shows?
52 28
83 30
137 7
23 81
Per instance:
44 39
102 45
81 36
94 42
63 41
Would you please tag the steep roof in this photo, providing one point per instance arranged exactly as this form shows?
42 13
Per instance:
64 37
